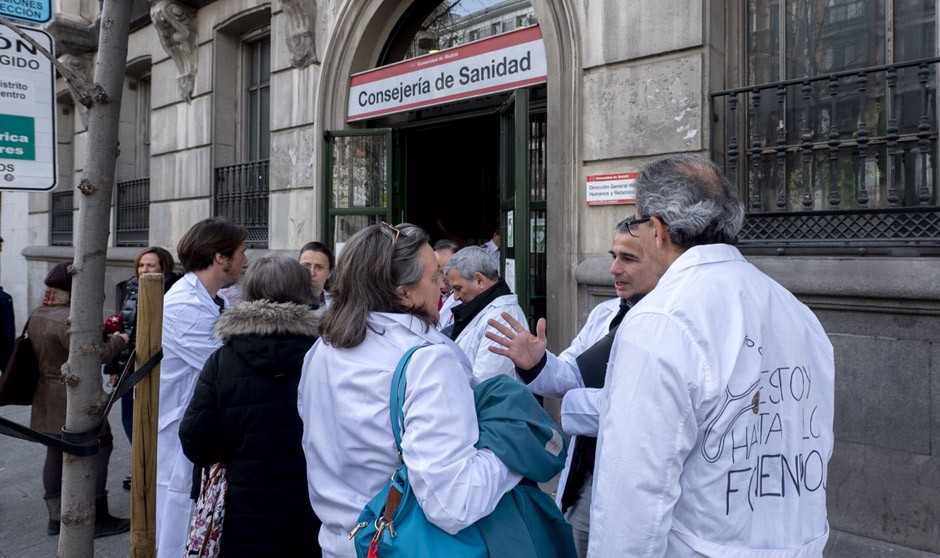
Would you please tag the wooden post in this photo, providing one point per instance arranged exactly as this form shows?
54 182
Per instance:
144 449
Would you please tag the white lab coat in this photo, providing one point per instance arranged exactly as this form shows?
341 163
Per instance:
492 250
343 400
476 346
687 466
447 317
189 314
561 378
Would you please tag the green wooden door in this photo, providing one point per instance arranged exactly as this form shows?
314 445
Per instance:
523 201
357 179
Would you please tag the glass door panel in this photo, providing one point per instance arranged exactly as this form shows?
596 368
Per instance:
357 182
523 202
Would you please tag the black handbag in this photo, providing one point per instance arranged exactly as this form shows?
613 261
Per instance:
21 374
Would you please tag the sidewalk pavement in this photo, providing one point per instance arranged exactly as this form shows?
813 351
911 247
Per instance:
23 513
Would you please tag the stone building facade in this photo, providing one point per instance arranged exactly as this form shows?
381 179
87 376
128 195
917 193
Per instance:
824 114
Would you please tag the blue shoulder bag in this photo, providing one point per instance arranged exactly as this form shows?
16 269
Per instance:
393 525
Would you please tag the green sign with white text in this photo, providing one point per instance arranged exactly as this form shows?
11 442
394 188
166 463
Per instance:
17 137
27 112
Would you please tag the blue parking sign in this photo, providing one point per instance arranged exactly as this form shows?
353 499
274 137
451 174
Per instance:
30 11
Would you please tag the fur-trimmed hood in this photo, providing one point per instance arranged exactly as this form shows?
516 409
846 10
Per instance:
265 318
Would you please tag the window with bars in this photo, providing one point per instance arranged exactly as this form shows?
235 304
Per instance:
831 134
241 190
132 212
60 219
132 197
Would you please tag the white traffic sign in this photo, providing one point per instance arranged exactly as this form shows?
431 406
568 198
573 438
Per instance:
27 112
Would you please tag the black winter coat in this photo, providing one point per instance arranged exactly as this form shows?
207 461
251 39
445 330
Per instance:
128 312
244 413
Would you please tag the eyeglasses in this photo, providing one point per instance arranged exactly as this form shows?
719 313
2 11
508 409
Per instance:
631 223
392 230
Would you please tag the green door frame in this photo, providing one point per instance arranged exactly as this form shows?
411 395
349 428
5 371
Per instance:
513 191
516 198
330 212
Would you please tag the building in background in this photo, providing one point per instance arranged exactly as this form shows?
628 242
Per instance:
823 112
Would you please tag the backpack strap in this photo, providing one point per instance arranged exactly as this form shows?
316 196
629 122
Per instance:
397 398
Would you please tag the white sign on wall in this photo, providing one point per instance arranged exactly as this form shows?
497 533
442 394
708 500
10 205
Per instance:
499 63
27 112
611 189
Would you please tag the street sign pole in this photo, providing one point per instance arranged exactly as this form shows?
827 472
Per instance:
27 112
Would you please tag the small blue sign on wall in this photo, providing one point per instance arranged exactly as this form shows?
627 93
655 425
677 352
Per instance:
30 11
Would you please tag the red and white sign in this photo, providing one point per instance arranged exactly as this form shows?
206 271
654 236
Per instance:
611 189
500 63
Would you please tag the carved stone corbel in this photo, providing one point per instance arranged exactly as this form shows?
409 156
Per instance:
81 65
176 27
301 31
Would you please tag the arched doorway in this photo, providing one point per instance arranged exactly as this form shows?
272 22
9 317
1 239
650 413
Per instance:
359 41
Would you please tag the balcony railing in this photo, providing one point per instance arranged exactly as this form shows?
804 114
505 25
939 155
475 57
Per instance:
241 196
60 218
132 209
846 159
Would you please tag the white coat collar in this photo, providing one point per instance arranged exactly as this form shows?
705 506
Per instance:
704 254
379 321
193 280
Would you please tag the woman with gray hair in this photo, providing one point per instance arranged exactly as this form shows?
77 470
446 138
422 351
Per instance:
385 296
244 413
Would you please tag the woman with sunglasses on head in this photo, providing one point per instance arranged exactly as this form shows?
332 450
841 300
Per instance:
385 296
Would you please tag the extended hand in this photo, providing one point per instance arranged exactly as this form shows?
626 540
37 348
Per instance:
516 343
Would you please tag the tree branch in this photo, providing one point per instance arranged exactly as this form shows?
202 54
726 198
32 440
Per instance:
86 92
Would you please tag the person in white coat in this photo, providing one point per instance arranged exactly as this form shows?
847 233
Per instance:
213 254
716 426
483 296
385 296
577 373
444 249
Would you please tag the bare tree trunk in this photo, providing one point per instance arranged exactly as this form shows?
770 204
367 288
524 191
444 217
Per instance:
82 372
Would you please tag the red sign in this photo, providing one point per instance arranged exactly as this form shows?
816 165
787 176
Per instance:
499 63
611 189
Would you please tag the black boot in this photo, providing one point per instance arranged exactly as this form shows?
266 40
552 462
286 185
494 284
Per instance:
105 523
54 504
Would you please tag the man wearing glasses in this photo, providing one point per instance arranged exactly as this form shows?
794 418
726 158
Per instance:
716 420
577 373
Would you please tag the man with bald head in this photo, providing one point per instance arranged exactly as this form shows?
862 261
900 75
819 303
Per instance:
716 420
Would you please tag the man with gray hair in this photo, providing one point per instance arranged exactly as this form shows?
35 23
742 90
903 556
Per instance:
475 281
716 419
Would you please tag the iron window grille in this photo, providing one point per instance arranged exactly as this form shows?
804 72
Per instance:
132 209
842 160
241 196
61 218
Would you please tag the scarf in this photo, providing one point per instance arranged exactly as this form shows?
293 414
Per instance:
464 313
56 297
